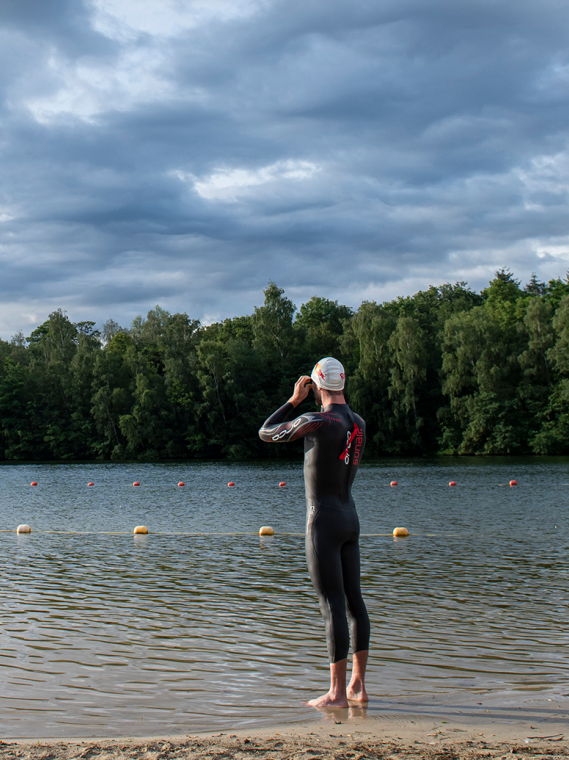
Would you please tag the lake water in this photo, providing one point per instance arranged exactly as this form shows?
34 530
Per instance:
203 625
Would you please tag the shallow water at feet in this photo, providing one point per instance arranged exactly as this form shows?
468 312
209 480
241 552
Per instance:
203 625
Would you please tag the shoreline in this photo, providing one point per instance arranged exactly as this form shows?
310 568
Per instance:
337 734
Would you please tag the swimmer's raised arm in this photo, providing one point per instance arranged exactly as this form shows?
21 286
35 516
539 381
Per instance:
276 430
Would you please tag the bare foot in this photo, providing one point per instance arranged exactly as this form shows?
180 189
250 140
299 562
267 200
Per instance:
357 693
328 700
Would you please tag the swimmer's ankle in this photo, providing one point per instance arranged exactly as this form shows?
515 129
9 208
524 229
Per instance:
356 691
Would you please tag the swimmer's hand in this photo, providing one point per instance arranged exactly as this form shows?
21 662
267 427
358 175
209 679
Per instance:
302 388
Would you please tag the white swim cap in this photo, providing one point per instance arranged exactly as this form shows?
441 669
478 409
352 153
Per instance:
329 374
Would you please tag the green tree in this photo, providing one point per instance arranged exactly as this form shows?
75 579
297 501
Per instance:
320 322
14 421
553 434
366 338
408 371
480 378
112 398
272 326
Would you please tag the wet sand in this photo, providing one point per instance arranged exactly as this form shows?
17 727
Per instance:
340 735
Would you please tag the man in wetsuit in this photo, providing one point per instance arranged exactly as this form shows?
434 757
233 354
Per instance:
334 441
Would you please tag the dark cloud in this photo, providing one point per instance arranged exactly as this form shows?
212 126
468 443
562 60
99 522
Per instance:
65 23
184 153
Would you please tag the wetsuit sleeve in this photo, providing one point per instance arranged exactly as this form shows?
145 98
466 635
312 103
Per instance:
276 430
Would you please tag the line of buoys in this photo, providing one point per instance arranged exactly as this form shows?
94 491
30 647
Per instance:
136 483
281 484
400 532
142 530
453 483
181 483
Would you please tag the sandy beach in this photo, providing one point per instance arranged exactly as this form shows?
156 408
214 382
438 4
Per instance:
339 735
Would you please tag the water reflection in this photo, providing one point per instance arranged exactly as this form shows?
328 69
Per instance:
174 631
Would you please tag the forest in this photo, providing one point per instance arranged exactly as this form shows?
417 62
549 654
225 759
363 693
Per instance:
448 371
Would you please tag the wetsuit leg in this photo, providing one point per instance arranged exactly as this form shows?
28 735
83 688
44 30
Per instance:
359 619
328 531
325 567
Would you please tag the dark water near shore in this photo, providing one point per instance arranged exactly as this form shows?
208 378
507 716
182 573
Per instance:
203 625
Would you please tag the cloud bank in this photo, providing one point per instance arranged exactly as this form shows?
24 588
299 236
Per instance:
184 152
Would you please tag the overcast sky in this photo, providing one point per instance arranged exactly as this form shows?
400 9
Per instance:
184 152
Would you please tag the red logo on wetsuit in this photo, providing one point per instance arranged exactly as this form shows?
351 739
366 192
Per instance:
357 433
358 446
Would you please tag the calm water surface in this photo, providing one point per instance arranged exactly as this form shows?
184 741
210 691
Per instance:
203 625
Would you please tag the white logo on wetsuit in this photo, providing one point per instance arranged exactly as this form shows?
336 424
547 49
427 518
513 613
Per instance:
310 516
349 443
345 455
286 430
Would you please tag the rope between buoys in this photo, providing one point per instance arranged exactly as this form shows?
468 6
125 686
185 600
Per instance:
153 533
181 533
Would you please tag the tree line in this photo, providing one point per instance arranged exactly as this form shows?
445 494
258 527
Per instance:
446 371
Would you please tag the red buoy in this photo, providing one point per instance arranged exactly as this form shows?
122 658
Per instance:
282 483
393 483
90 484
136 483
33 483
452 483
231 483
181 483
512 482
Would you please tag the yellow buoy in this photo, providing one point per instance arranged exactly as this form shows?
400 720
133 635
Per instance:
266 530
23 529
141 529
400 532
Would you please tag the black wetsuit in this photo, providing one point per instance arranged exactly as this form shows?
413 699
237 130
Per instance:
334 441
